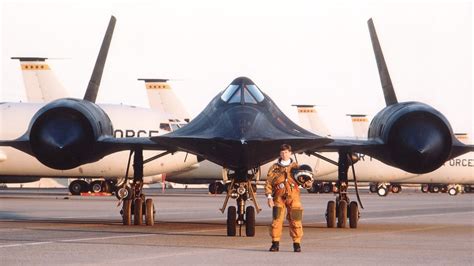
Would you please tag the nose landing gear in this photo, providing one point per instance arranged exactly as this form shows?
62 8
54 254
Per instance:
241 190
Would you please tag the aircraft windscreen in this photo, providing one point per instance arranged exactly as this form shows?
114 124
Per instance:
256 93
236 97
250 94
229 92
248 98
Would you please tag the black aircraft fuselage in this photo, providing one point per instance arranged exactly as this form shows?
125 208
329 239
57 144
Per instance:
241 129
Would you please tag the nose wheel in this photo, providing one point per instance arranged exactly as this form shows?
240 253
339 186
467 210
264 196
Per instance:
233 221
241 215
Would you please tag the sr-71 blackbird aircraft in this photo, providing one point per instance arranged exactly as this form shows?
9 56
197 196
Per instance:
240 129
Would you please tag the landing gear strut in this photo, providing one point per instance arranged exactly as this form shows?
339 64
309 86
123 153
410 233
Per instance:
134 202
241 190
342 208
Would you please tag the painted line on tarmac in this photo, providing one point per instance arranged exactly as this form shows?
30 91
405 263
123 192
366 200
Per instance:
257 247
415 215
102 238
364 234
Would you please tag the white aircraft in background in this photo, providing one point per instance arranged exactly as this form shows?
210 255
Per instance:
453 173
42 86
163 99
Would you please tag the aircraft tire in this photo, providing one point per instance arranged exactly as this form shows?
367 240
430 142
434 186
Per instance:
452 191
396 189
231 221
327 187
97 186
425 188
444 189
216 188
78 186
149 212
373 188
312 189
331 214
382 191
434 189
250 221
353 214
342 214
138 212
127 212
467 189
126 190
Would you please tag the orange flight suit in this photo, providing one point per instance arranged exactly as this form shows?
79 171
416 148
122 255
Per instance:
283 188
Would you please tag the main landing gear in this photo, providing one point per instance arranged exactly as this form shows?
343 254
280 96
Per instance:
134 203
341 210
241 190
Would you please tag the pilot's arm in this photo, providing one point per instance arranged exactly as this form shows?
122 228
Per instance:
272 173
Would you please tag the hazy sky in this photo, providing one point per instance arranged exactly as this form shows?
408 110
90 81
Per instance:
306 52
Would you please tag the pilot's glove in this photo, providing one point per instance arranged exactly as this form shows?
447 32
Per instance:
270 202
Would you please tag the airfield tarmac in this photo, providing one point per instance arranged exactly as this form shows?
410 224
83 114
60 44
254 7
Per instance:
48 227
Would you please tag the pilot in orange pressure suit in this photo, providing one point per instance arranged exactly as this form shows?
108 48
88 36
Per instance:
282 190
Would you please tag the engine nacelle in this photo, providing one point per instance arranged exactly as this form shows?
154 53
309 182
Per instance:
419 137
64 133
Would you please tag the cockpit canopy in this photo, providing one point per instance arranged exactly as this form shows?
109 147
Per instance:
242 90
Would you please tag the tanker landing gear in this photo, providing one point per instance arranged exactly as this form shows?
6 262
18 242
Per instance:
79 186
134 203
342 208
241 189
216 187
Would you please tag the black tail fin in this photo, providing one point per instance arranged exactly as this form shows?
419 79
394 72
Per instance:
388 91
94 82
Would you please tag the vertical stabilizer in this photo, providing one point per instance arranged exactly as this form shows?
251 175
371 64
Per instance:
309 119
360 125
41 84
161 97
388 91
96 76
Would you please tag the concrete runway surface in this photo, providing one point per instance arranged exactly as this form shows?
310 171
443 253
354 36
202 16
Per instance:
47 227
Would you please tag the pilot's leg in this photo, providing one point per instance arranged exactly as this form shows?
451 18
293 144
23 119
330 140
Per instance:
295 217
278 216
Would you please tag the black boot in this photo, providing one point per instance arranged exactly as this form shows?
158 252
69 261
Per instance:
275 246
296 247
